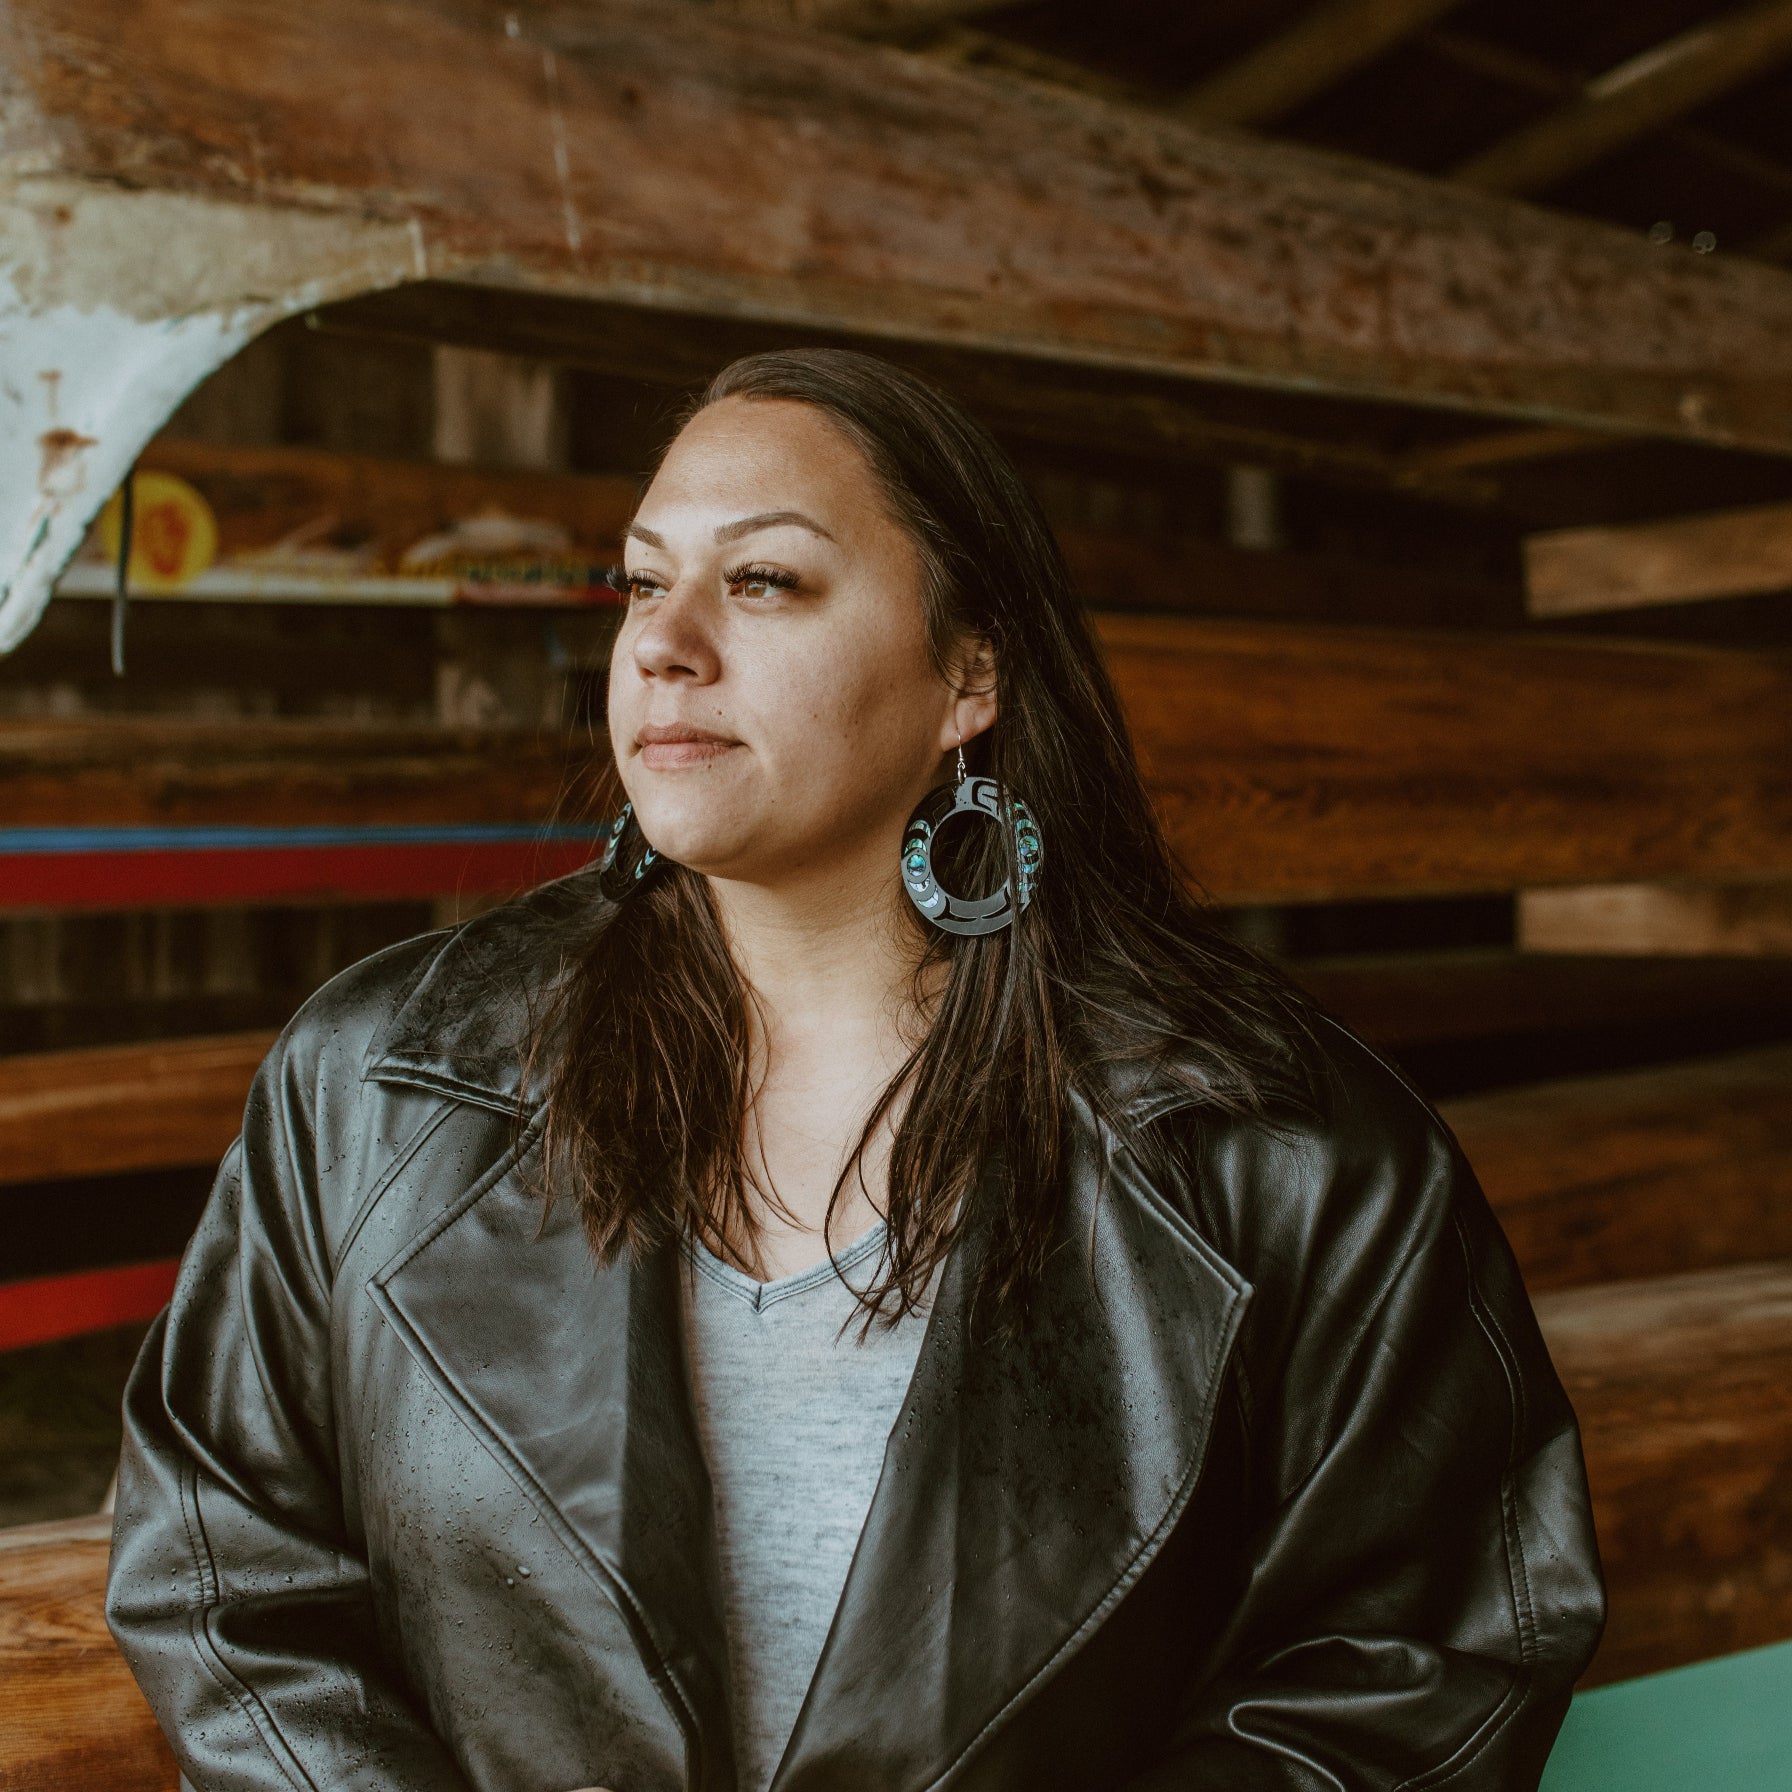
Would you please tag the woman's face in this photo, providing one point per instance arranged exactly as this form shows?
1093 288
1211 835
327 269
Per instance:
773 708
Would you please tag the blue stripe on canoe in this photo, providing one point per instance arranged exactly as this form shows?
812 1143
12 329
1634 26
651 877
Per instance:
35 841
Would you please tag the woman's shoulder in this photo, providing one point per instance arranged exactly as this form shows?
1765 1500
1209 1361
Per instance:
469 988
1355 1173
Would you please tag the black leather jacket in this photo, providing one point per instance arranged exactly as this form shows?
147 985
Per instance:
1274 1488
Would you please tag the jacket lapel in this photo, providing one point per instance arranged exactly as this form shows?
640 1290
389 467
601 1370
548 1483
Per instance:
575 1376
1030 1478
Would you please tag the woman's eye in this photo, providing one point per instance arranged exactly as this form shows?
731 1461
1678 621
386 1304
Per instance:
758 583
641 584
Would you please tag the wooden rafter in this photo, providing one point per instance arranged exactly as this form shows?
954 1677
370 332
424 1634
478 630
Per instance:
1529 74
1324 45
1636 97
180 172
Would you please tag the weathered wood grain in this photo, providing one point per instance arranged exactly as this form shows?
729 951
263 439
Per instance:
1642 1173
1722 553
707 165
70 1713
110 1109
1295 763
117 773
1735 919
1683 1386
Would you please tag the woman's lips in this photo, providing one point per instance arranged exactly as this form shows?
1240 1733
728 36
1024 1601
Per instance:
673 748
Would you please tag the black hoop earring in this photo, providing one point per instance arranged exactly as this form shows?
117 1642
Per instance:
970 915
627 858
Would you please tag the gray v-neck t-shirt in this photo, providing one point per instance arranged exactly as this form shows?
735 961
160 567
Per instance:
794 1411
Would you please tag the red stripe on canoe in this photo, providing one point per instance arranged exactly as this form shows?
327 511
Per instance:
51 1307
208 875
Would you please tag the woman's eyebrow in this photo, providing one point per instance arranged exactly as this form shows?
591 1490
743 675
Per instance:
768 519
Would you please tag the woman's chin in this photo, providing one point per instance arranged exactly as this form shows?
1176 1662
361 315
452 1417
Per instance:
711 844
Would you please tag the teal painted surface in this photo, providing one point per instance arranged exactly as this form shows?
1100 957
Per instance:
1717 1726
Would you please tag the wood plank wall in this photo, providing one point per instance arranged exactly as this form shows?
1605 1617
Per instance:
1291 763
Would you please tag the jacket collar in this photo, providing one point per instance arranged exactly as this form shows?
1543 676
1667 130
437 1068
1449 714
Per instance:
464 1027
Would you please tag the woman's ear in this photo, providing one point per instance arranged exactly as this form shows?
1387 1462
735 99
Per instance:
974 701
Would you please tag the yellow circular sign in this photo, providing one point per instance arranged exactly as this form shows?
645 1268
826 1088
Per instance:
174 536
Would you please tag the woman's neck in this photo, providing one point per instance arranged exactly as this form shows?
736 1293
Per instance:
831 966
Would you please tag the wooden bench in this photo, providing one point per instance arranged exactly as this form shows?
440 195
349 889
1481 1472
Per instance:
1683 1385
1640 1173
71 1717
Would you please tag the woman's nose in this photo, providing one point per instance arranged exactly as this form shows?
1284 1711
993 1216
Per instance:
675 640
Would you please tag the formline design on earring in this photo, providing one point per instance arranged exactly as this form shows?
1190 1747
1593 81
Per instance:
970 915
627 858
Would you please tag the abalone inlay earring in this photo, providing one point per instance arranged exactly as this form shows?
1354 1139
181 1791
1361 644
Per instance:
970 915
627 858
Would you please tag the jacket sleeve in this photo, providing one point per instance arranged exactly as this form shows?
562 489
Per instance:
1422 1585
237 1590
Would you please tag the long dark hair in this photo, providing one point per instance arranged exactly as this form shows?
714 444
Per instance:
1115 961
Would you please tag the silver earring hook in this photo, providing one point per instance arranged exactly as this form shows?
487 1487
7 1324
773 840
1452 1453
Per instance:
960 756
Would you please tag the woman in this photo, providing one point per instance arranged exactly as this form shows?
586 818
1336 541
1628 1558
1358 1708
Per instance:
944 1317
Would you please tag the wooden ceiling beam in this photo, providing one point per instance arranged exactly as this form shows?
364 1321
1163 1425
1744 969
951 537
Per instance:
1528 74
1637 97
988 53
1327 43
180 173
